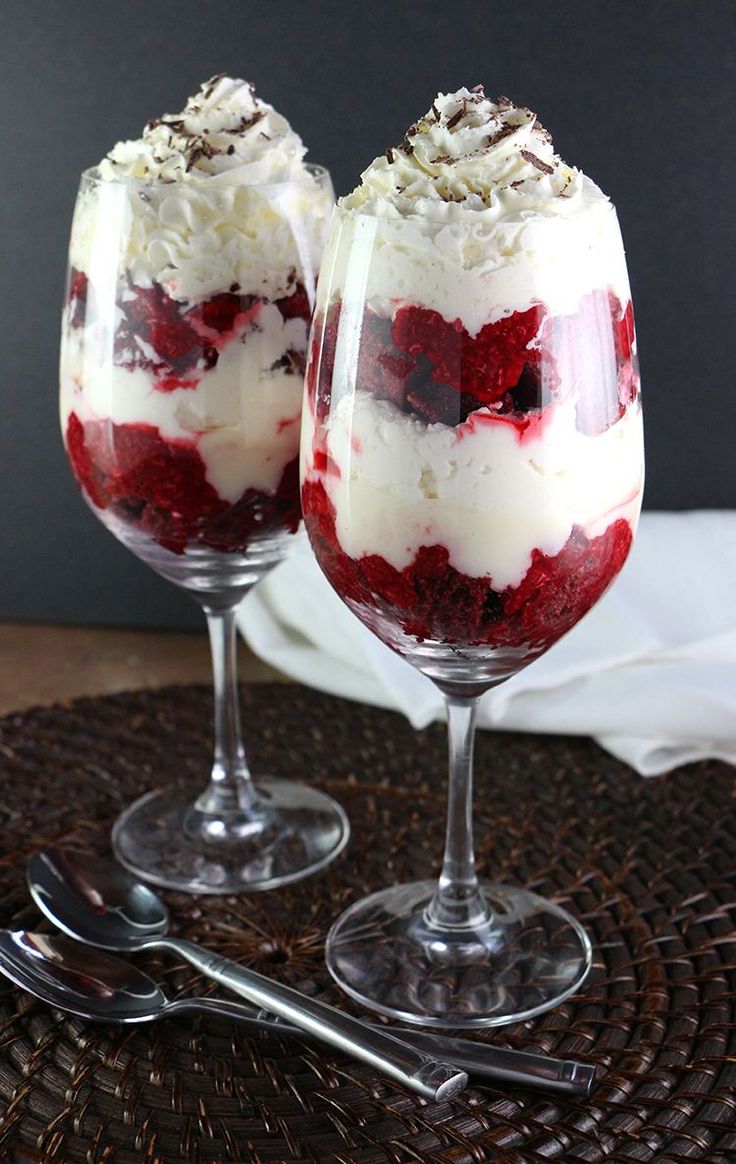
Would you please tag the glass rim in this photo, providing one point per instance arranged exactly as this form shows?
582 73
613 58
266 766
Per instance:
92 177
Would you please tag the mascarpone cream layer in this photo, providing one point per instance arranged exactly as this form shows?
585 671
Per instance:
487 494
243 417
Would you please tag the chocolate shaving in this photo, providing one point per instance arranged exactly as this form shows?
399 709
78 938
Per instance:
504 102
212 85
456 117
234 288
519 182
199 148
436 112
406 148
230 150
174 123
500 134
390 156
535 161
478 89
246 122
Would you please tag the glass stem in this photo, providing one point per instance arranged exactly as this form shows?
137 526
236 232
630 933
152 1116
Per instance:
458 903
231 791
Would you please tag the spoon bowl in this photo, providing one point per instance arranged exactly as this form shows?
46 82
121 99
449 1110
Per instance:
85 982
95 901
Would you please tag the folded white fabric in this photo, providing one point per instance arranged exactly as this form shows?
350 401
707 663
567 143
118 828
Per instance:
650 672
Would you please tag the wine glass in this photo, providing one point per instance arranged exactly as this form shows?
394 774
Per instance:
183 350
472 469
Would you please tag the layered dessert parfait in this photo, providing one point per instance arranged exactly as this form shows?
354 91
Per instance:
193 258
472 437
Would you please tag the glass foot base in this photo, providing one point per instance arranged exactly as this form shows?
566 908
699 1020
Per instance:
293 831
530 956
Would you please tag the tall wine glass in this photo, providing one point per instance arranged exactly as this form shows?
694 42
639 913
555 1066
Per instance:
470 491
180 405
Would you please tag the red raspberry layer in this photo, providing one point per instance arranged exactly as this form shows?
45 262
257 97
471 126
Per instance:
177 344
430 599
436 371
159 487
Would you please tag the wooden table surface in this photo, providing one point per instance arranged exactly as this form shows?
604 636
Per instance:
41 664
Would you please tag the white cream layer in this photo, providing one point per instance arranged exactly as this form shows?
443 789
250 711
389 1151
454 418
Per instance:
465 271
242 417
487 495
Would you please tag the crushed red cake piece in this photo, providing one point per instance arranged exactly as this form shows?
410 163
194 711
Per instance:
485 365
77 297
430 599
296 305
176 344
160 487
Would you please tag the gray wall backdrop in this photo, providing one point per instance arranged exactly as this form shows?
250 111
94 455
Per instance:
639 93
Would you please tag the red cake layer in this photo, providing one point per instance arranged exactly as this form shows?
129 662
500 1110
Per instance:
430 599
436 371
159 487
177 343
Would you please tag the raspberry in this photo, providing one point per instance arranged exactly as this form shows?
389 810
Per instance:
485 365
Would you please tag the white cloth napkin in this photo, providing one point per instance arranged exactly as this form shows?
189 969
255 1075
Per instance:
650 672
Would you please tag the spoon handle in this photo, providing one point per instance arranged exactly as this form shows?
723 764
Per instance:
416 1069
501 1064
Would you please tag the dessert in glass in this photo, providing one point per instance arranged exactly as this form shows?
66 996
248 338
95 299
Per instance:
472 468
192 271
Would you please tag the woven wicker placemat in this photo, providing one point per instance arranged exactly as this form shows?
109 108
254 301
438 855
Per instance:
647 864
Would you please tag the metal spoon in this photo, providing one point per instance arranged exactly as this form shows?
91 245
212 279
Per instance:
103 905
99 986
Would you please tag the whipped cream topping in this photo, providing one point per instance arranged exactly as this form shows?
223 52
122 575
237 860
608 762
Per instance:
475 216
215 198
470 155
224 132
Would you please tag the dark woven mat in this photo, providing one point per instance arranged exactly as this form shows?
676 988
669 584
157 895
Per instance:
647 864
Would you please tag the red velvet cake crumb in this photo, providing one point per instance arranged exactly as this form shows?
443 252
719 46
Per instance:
78 288
159 487
485 365
430 599
176 344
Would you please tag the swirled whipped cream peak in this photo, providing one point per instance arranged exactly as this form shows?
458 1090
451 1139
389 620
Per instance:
469 153
225 131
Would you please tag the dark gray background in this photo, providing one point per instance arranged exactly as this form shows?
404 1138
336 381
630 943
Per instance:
638 93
